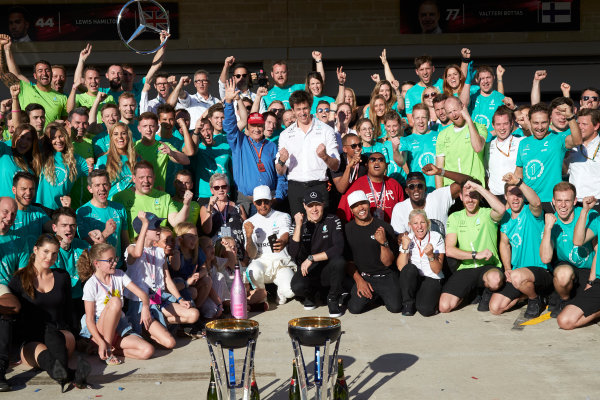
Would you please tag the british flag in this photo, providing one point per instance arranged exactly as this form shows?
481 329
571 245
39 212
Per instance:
156 20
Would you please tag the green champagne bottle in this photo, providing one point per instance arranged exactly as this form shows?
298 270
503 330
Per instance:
211 394
294 384
254 394
340 390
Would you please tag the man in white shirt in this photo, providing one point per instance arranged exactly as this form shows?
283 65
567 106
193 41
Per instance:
306 150
501 153
198 103
267 235
163 89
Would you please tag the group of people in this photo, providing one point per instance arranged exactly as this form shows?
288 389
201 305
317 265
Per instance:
123 217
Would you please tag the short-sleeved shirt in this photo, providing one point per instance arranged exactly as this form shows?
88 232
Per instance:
87 100
455 146
525 236
157 202
79 193
364 250
9 168
100 293
158 159
49 194
437 204
595 227
421 260
194 211
124 180
147 271
210 160
475 233
393 195
54 103
177 141
542 160
393 170
67 260
275 222
414 95
29 225
421 151
482 108
584 168
562 238
13 256
501 158
282 94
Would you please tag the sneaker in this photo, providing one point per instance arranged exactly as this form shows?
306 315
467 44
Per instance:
309 304
343 299
476 300
4 386
335 310
558 308
534 307
409 309
484 303
281 299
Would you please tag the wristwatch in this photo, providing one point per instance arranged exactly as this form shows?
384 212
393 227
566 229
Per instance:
404 251
571 118
386 244
590 283
431 258
474 254
310 258
282 163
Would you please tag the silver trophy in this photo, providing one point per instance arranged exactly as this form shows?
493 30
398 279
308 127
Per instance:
149 20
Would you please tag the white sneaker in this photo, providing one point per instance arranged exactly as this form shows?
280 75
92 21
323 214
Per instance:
281 299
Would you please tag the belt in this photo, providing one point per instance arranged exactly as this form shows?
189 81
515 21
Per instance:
309 183
374 275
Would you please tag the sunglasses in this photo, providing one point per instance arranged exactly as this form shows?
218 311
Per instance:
320 110
377 159
355 145
428 95
413 186
224 187
276 110
593 98
240 75
262 201
111 260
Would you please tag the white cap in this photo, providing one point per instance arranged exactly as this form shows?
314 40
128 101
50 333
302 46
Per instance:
262 192
356 197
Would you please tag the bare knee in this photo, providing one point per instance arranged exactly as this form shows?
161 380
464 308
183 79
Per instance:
565 321
169 342
146 351
493 279
563 276
113 305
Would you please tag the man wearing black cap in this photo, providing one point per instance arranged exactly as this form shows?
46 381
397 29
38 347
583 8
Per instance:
317 246
436 204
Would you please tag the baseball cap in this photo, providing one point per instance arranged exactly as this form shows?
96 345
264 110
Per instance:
357 196
312 197
256 119
262 192
153 223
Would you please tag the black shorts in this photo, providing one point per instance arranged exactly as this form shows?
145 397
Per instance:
589 300
582 276
465 281
542 282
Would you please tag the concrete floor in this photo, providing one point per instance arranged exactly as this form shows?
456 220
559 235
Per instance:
462 355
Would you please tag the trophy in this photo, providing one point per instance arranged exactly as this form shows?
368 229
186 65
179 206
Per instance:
150 17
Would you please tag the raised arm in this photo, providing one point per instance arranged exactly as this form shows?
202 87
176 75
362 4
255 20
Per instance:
535 87
499 75
7 76
177 90
83 56
581 234
546 247
465 93
159 56
318 57
136 250
574 139
189 148
565 88
498 208
477 141
341 76
505 255
250 246
174 155
535 204
176 218
389 76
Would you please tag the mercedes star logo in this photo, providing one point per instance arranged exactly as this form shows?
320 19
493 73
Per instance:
149 19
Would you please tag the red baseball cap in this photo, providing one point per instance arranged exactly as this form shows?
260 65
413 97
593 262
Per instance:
256 119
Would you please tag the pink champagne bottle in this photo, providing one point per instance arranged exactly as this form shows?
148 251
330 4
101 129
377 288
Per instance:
238 296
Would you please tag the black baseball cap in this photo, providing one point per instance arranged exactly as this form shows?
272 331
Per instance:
153 223
313 197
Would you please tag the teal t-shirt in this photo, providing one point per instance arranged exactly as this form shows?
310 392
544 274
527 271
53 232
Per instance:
123 181
9 168
90 217
282 94
518 132
67 260
482 108
29 225
12 256
562 238
414 94
49 194
317 99
542 162
525 236
209 160
421 151
377 148
393 170
101 141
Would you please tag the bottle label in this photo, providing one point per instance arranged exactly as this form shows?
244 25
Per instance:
293 382
238 309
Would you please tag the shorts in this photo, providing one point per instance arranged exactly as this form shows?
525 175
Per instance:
463 282
185 293
589 300
124 328
134 313
4 289
543 284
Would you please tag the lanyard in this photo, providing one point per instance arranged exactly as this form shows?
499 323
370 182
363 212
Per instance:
258 153
378 202
595 152
224 215
507 154
109 293
153 270
419 247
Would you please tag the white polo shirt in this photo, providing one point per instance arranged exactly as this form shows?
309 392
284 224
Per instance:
584 168
421 261
196 105
437 204
501 158
304 164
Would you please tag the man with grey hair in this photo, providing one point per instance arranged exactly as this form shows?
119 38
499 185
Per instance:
198 103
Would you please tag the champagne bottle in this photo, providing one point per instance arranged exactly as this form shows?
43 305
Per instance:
340 390
254 394
294 384
238 296
211 394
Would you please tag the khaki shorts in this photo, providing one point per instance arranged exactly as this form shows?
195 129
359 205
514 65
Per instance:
4 289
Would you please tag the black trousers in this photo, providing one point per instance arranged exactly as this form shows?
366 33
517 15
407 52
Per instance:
385 288
297 190
422 291
320 275
6 330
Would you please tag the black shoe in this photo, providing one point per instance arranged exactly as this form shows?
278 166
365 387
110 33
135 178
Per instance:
81 373
484 303
409 309
534 307
4 386
558 308
476 300
343 299
334 306
309 304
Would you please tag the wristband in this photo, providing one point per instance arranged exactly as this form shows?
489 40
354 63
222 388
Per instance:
318 61
443 172
15 110
590 283
341 84
498 80
519 183
465 60
571 118
180 298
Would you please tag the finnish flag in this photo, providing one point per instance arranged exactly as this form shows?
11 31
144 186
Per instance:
556 12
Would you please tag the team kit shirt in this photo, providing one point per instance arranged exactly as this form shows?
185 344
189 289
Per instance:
158 159
421 151
100 293
525 236
437 204
124 180
49 194
482 108
584 168
414 95
501 158
157 202
282 94
12 256
194 211
177 141
274 223
9 168
54 103
87 100
79 193
454 144
542 162
475 233
29 225
595 227
101 142
147 273
562 239
417 254
210 160
317 99
67 260
393 170
381 205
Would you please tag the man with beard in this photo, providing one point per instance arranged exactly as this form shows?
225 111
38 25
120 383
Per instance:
242 80
281 90
443 121
198 103
540 157
460 146
30 221
91 80
18 24
101 220
527 275
40 92
353 164
424 69
144 197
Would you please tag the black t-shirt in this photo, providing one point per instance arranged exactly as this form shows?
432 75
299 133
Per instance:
362 167
235 224
364 250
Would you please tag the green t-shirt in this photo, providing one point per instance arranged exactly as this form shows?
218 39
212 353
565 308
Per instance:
525 236
80 194
458 153
29 225
157 202
124 178
421 151
209 160
176 140
67 260
159 161
12 256
194 211
49 194
475 233
87 100
562 238
54 103
9 168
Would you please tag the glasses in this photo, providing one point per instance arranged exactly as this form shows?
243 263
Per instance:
428 95
162 83
320 110
217 188
376 159
111 260
201 81
240 75
276 110
355 145
593 98
413 186
262 201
